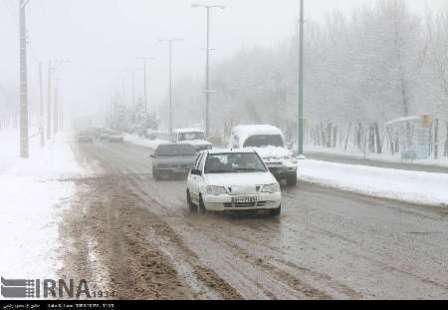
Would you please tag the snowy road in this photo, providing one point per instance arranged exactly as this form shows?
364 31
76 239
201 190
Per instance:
135 236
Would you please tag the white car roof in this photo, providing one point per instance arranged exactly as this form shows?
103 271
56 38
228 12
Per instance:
246 131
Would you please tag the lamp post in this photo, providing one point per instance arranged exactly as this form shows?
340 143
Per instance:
52 67
208 8
145 82
170 78
300 84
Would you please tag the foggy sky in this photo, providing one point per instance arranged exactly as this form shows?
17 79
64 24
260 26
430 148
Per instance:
103 38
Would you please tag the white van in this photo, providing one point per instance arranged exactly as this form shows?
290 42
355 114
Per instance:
269 143
192 136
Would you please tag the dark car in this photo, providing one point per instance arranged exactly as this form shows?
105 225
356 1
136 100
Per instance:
172 160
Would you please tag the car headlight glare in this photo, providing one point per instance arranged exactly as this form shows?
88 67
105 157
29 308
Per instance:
216 190
271 188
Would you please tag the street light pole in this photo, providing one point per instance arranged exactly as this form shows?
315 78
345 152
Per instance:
207 78
56 109
41 108
170 78
52 66
300 90
133 87
207 65
171 86
49 96
145 82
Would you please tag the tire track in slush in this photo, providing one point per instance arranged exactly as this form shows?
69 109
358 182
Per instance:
204 274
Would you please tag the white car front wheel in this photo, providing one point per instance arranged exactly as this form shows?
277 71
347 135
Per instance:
191 206
201 206
276 212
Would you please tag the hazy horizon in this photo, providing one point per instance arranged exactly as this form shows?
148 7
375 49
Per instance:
103 39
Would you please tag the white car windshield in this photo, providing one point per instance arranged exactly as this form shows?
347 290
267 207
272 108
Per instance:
188 136
233 163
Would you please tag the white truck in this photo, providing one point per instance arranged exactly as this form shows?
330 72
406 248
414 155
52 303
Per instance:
268 141
192 136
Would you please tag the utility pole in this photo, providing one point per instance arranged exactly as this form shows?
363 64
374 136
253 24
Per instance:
41 108
170 78
300 90
207 91
24 143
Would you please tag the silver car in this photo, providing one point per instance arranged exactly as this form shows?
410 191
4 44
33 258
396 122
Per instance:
172 160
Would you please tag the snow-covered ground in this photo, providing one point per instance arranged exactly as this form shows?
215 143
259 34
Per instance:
356 154
9 146
409 186
153 144
32 197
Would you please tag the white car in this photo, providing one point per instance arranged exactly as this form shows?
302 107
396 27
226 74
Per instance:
192 136
232 180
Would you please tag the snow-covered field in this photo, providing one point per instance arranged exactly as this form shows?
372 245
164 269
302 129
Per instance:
153 144
31 201
409 186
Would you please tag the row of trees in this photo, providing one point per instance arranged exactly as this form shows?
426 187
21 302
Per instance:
380 63
131 118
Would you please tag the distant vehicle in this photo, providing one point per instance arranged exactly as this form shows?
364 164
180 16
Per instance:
268 142
192 136
85 137
96 133
172 159
104 134
232 180
110 135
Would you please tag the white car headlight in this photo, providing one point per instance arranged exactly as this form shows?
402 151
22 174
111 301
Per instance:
216 190
271 188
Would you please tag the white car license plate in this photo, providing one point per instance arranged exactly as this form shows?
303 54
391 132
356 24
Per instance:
245 199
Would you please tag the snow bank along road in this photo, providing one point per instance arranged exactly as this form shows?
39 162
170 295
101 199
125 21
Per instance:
377 161
403 185
136 236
